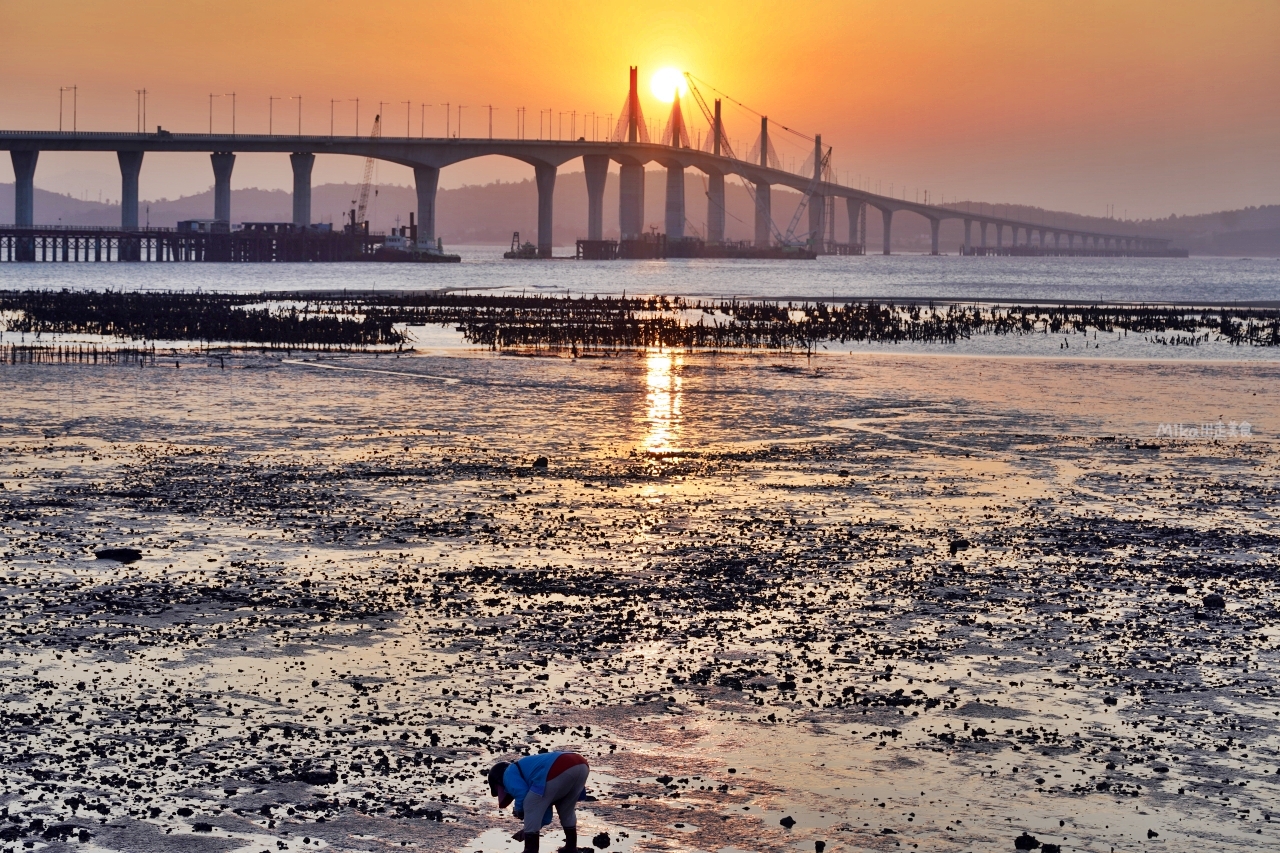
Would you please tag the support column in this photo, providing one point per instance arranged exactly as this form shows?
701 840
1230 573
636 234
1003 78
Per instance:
886 217
302 163
130 167
764 198
715 185
817 203
934 225
675 202
1057 239
968 230
999 235
545 176
818 223
1013 237
631 201
222 164
854 209
983 228
764 216
24 189
1041 238
426 179
715 208
596 167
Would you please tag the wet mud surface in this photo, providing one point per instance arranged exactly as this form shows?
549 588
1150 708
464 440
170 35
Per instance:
874 602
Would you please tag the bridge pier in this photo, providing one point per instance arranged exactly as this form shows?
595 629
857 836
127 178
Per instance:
854 208
999 235
24 190
631 201
983 229
302 163
545 176
764 197
596 168
934 225
715 207
817 203
223 161
968 227
818 223
425 180
675 202
764 216
130 168
1041 238
715 185
1057 240
886 217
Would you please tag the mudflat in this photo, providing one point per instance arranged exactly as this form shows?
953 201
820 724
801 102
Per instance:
873 601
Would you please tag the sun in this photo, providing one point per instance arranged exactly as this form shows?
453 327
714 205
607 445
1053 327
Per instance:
666 82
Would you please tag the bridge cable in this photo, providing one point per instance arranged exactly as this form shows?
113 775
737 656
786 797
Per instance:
750 110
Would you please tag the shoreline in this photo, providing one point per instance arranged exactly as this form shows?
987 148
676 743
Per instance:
356 591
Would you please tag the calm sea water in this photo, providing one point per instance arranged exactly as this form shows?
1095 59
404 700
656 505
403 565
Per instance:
1215 281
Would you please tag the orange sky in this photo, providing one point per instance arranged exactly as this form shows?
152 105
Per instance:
1155 107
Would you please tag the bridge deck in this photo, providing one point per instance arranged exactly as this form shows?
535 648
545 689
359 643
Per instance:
427 156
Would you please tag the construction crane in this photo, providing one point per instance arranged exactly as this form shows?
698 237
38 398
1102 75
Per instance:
783 239
363 203
804 200
707 114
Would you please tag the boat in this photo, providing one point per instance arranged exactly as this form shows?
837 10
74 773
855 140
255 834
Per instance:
521 251
403 244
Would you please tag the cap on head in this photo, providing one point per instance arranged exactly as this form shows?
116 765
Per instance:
495 776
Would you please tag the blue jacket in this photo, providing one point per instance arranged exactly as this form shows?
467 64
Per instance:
529 774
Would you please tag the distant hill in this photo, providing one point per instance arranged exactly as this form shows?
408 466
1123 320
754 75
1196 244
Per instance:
489 214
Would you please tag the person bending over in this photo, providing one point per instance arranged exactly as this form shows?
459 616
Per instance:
535 784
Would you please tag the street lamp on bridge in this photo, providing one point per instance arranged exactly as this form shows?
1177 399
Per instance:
72 90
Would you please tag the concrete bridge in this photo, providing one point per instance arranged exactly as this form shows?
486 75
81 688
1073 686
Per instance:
428 156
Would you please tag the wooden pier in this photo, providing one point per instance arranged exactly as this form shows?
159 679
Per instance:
249 245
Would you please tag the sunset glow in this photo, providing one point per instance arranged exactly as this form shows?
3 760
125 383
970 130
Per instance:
1042 103
666 82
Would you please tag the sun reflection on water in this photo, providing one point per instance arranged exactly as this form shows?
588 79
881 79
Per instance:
662 402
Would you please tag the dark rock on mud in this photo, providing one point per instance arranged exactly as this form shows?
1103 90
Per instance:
120 555
1213 601
1026 842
